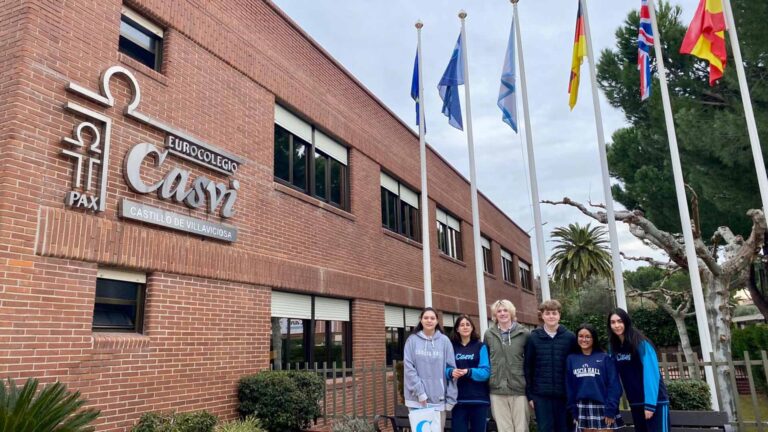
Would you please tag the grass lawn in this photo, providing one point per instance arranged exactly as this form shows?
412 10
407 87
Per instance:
745 403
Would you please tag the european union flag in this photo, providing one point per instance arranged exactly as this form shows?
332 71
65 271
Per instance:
415 89
507 99
449 84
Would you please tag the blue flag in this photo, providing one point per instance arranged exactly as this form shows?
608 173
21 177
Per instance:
507 98
415 89
449 84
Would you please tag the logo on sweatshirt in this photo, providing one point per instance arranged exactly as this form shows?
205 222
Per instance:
465 356
623 357
425 353
586 371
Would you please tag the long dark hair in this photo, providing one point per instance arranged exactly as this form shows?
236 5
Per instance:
592 332
632 336
456 337
420 327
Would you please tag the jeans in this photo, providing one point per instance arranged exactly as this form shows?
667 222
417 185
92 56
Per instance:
466 417
551 414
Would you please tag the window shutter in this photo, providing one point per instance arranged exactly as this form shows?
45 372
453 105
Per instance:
393 317
293 124
331 309
330 147
289 305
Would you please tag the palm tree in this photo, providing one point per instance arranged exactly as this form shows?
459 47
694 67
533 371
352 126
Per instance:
580 253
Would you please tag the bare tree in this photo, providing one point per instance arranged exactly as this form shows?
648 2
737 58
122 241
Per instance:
720 276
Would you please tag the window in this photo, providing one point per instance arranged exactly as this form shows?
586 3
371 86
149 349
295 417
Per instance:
487 257
400 208
119 304
141 39
398 323
506 266
310 161
449 235
301 338
448 320
525 277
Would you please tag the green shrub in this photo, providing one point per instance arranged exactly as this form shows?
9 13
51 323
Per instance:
249 424
752 339
53 408
689 395
283 400
350 424
199 421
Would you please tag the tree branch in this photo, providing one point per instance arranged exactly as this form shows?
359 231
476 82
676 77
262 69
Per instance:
743 252
655 263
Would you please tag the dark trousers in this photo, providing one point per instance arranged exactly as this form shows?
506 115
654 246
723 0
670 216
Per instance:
658 423
551 414
466 417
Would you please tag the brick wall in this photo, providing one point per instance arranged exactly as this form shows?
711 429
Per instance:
208 302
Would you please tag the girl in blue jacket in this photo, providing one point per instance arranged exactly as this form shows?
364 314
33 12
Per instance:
471 375
592 384
638 368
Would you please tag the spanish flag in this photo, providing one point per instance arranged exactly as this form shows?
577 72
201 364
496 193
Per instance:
579 52
705 37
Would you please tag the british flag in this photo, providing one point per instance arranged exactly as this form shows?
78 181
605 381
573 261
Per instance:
644 43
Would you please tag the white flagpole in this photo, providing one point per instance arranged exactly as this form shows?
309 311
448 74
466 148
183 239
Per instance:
685 218
746 99
545 294
618 278
481 303
424 197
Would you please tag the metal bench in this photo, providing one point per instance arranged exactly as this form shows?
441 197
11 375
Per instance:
399 422
687 421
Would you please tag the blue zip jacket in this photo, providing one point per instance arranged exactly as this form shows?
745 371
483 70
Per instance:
473 387
640 375
593 377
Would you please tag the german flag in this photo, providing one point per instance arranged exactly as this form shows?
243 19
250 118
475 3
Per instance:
705 37
579 52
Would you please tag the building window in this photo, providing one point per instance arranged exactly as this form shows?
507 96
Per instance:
310 161
400 208
449 319
309 331
449 235
141 39
487 256
525 277
119 304
506 266
399 323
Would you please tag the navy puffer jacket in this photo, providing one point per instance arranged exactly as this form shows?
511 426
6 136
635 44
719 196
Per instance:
545 358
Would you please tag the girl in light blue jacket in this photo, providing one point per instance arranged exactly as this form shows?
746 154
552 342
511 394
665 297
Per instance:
428 361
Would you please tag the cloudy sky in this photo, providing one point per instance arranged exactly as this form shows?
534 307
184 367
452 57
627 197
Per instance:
376 42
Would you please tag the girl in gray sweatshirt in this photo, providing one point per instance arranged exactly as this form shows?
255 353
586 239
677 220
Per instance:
428 360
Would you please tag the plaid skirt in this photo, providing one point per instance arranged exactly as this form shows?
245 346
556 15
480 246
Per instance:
592 416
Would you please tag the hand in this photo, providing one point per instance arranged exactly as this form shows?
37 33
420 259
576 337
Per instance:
648 414
608 421
531 404
423 403
458 373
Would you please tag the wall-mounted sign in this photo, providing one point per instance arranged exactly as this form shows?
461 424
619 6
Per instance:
89 149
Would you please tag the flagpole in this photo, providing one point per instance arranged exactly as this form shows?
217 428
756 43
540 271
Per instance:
746 99
424 197
618 278
685 218
545 294
481 303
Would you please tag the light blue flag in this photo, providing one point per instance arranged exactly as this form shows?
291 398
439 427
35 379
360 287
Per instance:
449 84
507 98
415 89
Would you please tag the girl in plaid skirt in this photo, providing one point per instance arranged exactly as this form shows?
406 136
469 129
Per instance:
592 383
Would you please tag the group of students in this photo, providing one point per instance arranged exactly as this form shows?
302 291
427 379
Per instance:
566 378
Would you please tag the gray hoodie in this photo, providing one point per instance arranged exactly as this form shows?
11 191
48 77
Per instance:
425 362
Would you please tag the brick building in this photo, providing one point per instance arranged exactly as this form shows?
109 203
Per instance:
186 197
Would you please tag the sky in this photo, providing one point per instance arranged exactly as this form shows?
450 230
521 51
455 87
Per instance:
376 42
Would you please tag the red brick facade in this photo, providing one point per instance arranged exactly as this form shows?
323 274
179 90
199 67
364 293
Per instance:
208 302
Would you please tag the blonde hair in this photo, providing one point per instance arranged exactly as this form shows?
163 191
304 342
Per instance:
506 304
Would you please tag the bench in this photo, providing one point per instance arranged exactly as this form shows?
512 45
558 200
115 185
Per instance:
687 421
399 422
